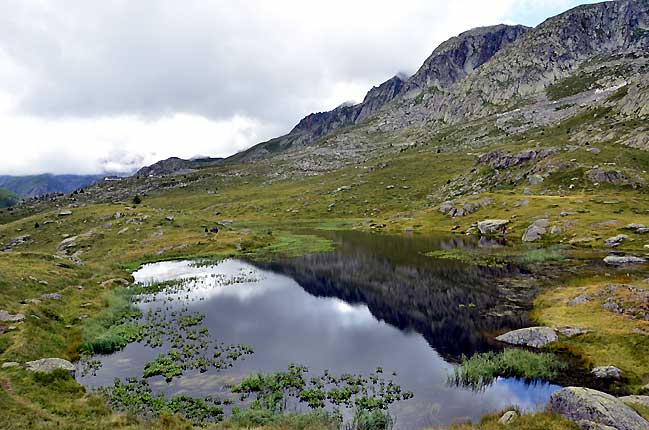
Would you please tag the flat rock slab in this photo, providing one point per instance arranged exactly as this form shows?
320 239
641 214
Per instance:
7 317
594 408
618 260
48 365
535 337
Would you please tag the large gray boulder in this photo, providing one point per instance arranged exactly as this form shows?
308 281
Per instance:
535 337
614 241
48 365
536 230
492 226
592 409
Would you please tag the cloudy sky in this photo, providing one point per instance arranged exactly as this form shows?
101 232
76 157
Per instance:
96 86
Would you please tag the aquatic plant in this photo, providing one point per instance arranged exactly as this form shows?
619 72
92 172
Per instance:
480 370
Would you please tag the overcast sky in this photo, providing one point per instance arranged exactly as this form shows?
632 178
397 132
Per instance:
96 86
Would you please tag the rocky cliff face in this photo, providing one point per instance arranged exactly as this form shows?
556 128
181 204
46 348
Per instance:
450 62
460 56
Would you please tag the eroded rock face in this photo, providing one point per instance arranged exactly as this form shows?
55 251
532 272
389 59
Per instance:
585 406
48 365
535 337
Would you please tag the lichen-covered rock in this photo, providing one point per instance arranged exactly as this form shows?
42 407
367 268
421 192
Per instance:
508 417
614 241
580 404
535 337
536 230
48 365
492 226
620 260
603 372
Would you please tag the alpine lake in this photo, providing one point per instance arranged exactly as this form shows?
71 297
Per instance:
376 320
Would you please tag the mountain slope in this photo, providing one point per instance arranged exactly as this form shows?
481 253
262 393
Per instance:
7 198
450 62
36 185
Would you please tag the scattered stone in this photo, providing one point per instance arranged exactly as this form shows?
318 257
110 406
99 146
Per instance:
537 229
620 260
65 213
535 337
534 179
584 298
66 244
565 214
594 150
122 231
16 241
169 218
8 364
493 226
343 188
634 226
508 418
643 230
51 296
590 406
615 241
520 203
7 317
607 372
48 365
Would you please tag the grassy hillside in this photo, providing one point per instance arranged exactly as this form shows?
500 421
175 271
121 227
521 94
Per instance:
7 198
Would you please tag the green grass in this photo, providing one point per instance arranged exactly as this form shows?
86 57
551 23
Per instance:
482 369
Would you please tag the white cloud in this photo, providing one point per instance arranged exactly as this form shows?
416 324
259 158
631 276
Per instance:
107 84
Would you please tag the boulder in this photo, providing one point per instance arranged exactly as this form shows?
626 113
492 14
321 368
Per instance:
614 241
48 365
492 226
607 372
65 213
585 406
508 417
584 298
537 229
51 296
8 364
7 317
67 243
535 179
634 226
620 260
535 337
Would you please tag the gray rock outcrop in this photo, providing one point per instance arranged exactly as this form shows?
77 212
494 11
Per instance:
536 230
492 226
535 337
48 365
604 372
620 260
589 407
7 317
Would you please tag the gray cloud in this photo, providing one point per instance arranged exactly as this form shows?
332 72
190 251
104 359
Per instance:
75 68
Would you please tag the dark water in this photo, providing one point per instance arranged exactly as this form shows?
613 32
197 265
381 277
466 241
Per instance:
376 301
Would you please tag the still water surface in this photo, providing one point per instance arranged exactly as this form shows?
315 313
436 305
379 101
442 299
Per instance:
375 301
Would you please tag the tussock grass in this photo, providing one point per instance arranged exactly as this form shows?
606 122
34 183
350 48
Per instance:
482 369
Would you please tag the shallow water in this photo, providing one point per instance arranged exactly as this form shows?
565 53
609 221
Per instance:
376 301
